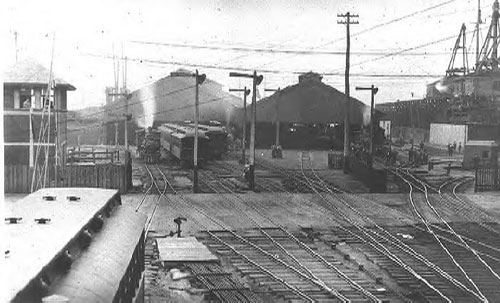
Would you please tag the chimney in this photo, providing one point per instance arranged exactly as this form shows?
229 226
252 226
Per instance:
310 77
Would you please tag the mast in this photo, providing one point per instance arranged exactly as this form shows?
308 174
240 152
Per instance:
478 51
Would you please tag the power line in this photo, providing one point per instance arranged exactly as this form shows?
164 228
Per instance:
156 113
410 49
377 26
270 71
275 50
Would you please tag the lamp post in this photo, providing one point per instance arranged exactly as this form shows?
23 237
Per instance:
199 79
246 92
256 81
374 91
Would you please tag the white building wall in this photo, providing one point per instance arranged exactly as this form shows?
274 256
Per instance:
442 134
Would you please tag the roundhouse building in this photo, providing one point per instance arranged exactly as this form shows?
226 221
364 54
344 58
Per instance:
166 100
305 113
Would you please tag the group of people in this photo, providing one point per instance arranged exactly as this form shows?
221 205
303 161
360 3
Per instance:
276 151
418 156
452 148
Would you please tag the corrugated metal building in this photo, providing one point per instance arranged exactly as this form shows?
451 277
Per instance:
170 99
310 103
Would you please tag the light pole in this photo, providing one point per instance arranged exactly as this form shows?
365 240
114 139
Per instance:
246 92
256 81
374 91
199 79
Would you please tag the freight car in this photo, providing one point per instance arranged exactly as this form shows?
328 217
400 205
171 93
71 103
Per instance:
217 139
178 141
148 144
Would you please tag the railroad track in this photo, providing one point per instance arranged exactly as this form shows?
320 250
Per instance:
404 263
283 259
262 185
476 262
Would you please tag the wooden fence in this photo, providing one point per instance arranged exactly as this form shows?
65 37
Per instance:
487 179
17 178
108 175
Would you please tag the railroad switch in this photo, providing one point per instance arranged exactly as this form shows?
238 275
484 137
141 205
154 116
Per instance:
13 220
177 221
42 220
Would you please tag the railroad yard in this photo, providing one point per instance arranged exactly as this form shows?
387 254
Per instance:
304 235
237 157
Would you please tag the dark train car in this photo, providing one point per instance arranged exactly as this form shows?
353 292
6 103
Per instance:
94 253
217 139
148 144
178 140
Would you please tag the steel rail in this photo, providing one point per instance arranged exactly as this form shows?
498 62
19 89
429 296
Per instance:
401 245
160 194
274 258
304 246
467 247
145 194
380 248
445 249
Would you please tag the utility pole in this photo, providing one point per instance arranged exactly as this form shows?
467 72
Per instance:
199 79
277 117
256 81
374 91
246 92
347 108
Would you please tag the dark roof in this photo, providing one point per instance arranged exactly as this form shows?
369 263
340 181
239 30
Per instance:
31 72
309 102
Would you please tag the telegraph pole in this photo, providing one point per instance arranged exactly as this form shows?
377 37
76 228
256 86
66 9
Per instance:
246 92
347 108
256 81
374 91
199 79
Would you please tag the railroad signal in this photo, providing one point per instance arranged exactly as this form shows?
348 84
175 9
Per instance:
246 92
257 79
199 79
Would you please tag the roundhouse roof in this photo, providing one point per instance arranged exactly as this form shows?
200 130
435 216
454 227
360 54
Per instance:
309 101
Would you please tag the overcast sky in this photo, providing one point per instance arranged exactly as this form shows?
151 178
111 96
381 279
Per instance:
85 32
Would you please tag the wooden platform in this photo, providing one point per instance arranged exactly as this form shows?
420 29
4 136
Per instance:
184 250
33 246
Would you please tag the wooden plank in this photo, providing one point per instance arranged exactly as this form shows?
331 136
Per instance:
183 250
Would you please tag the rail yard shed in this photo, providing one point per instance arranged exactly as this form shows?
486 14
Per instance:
167 99
307 114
